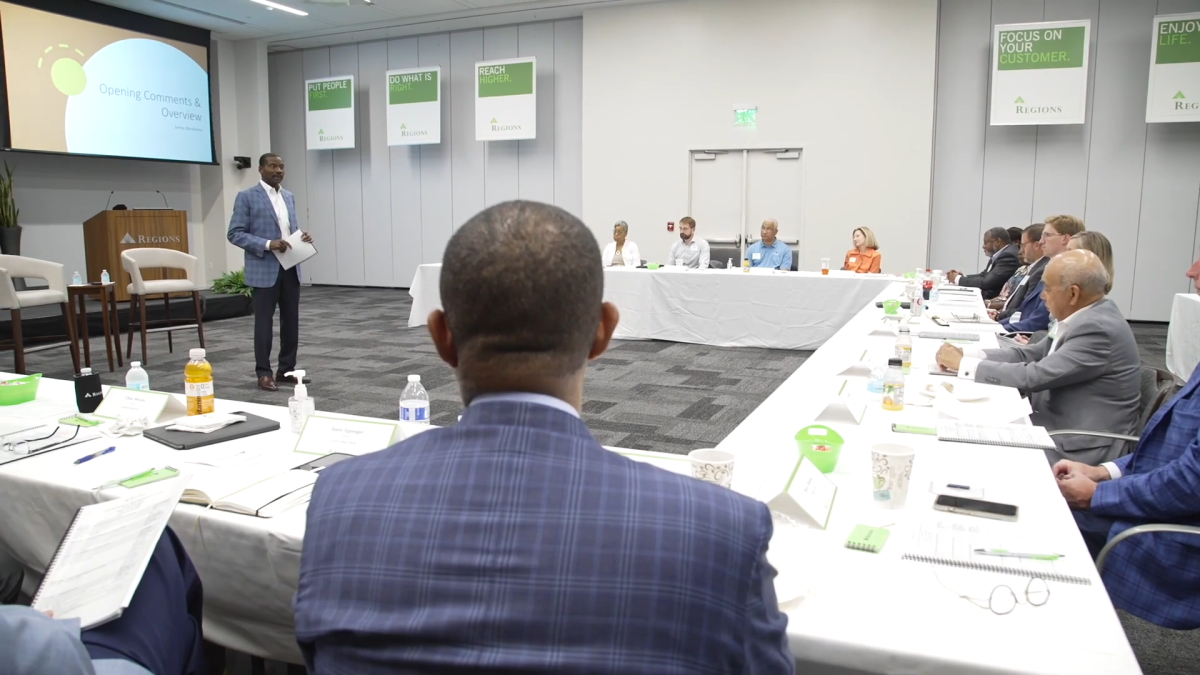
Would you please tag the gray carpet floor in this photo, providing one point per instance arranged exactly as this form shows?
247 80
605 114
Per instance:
357 348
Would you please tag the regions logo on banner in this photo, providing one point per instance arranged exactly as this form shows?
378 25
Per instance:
1039 72
414 106
506 99
329 116
1174 91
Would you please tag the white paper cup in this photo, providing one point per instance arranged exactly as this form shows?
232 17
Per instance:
891 470
680 262
712 466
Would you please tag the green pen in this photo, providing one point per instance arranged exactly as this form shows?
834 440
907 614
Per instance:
999 552
115 483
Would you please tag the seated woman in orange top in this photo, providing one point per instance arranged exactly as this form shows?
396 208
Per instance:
864 257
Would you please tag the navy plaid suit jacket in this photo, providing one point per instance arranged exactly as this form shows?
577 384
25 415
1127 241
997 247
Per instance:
252 225
513 542
1156 576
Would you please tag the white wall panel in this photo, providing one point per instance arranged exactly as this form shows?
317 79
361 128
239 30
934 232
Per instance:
404 187
466 48
376 164
535 158
323 268
502 159
568 116
437 218
347 181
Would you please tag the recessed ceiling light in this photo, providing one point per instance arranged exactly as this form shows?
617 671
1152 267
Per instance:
276 5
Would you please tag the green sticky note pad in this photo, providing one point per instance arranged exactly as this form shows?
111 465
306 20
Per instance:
150 477
867 538
77 421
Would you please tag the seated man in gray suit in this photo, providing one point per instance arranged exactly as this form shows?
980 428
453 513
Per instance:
1087 375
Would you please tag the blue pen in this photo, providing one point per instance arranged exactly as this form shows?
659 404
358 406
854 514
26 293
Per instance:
94 455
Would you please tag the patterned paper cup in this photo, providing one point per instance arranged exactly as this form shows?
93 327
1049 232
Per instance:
712 466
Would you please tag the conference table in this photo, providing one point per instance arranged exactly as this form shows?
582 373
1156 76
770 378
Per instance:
1183 335
849 611
722 308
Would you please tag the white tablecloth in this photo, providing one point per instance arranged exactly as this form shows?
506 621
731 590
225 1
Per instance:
1183 335
775 310
863 613
878 613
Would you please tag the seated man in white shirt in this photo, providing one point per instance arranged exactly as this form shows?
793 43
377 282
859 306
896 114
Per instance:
690 250
1086 376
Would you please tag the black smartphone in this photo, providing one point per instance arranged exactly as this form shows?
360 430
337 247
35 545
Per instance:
975 507
323 462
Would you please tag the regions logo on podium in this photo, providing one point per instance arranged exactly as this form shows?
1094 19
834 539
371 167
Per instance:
129 239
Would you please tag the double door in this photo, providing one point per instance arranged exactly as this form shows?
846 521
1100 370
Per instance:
732 191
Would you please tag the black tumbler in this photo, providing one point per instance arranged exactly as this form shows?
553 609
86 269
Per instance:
88 393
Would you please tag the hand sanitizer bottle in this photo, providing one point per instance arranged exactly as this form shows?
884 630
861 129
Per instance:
300 406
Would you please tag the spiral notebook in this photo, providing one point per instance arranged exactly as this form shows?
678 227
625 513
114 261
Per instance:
953 544
1010 435
100 560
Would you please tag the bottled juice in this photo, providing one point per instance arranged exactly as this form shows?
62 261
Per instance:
198 383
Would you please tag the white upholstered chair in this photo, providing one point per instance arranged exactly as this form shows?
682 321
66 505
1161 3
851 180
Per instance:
15 266
135 260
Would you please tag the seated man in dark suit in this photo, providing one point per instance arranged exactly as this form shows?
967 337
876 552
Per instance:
159 633
1155 576
1002 263
514 542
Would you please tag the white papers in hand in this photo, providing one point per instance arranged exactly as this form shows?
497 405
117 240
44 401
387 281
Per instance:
299 252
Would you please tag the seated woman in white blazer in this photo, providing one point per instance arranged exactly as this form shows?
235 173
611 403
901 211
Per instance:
621 251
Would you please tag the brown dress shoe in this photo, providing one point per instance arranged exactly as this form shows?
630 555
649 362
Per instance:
267 383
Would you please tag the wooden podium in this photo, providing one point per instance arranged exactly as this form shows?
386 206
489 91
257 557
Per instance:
109 233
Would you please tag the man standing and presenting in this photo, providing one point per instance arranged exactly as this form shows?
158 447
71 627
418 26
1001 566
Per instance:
257 226
513 542
692 250
769 252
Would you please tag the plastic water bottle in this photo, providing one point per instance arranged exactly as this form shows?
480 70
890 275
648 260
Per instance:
904 349
935 292
875 383
137 377
104 278
414 402
893 386
729 265
77 280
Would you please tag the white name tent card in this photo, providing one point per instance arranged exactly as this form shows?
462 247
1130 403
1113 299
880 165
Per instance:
323 435
122 403
851 395
807 496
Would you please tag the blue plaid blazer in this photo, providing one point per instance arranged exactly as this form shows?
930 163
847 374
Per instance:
514 543
252 225
1157 576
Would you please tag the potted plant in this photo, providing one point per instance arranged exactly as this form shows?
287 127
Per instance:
10 230
234 283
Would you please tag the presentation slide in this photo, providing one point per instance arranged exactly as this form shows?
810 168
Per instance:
80 87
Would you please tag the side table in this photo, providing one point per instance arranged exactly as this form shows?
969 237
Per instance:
108 312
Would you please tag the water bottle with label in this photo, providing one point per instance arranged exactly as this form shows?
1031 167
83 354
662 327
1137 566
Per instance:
104 278
77 280
936 292
893 386
904 349
414 402
878 370
137 377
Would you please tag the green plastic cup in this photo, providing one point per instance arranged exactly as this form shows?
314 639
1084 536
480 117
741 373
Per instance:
821 445
652 266
891 306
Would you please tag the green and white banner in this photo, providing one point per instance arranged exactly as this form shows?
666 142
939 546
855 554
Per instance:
329 116
1174 91
414 106
1040 72
506 99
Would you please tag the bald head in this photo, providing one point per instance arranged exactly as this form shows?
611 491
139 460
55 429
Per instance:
1073 280
769 230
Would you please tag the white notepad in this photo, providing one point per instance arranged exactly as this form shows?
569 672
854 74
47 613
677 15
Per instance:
298 253
100 561
1010 435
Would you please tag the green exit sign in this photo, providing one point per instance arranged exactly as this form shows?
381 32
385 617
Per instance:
745 117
